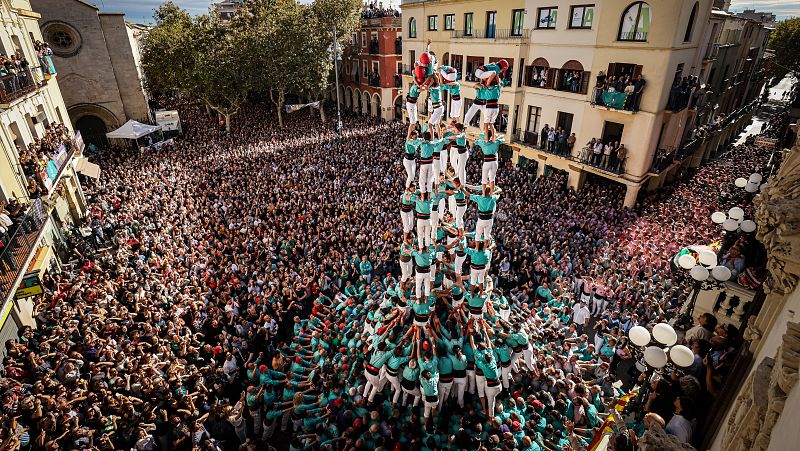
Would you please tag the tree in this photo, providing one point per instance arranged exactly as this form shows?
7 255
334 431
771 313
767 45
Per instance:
199 58
785 41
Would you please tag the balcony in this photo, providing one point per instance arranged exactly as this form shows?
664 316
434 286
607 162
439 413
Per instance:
490 34
374 80
20 244
711 52
14 87
49 175
585 155
373 47
614 100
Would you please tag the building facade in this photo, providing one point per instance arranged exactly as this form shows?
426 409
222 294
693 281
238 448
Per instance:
39 187
570 67
84 39
370 70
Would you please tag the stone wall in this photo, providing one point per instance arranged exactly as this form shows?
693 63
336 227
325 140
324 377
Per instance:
125 70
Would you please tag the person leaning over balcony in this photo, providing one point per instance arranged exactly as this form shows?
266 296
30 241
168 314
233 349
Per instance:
597 153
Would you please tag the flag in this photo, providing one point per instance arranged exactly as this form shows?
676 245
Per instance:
299 106
607 426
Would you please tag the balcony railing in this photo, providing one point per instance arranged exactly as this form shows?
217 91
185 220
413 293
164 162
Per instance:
490 34
635 36
19 245
615 100
48 177
711 51
13 87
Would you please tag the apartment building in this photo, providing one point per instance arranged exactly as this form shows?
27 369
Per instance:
571 64
371 67
39 187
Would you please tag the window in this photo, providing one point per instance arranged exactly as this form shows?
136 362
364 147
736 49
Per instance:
468 24
365 67
363 39
547 18
399 68
689 26
457 61
635 22
534 114
449 21
412 28
517 22
412 58
433 23
581 16
491 23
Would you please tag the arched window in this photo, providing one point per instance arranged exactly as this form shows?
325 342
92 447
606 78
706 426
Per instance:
690 26
412 28
635 22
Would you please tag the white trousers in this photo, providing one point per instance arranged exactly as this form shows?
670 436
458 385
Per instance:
436 115
488 172
461 210
459 263
472 381
411 108
415 393
444 391
411 169
477 276
472 111
406 268
408 220
459 385
480 383
429 407
426 177
434 223
491 396
483 229
423 284
394 381
461 170
455 107
424 232
490 115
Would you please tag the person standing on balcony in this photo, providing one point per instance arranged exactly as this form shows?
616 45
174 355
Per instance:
607 150
543 137
622 153
638 89
551 140
598 153
570 144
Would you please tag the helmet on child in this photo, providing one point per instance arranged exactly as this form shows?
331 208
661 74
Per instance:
425 58
503 64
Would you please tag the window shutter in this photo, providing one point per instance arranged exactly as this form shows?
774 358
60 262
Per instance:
637 71
521 72
552 73
586 78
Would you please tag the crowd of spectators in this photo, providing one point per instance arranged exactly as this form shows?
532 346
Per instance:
234 310
375 10
632 87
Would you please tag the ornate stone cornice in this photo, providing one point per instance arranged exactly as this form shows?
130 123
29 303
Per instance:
778 216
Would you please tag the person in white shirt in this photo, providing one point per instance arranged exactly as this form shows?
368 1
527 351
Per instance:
580 316
681 424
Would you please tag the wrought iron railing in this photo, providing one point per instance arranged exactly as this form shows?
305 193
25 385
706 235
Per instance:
18 247
15 86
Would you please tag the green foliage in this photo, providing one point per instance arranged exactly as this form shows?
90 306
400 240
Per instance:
271 47
785 42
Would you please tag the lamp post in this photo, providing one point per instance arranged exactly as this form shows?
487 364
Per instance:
336 73
656 353
701 262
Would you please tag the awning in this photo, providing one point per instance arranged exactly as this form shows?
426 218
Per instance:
87 168
133 130
31 284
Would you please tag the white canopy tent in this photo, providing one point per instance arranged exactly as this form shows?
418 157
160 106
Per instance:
133 130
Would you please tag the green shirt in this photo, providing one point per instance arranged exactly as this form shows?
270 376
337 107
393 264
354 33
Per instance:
478 257
430 387
412 145
435 94
489 147
485 204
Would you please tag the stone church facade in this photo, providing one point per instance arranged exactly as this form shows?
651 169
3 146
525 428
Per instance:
85 39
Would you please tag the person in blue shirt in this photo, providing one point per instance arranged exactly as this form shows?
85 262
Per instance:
437 108
427 172
487 203
492 72
423 260
411 104
458 150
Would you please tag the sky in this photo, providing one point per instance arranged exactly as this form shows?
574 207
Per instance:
141 11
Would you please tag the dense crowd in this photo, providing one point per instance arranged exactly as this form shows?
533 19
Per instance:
252 282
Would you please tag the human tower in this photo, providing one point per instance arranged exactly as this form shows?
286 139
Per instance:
447 330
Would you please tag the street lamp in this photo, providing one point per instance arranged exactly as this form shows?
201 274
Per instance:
656 353
734 221
701 263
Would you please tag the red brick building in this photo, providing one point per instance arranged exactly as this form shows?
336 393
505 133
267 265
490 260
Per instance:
371 70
